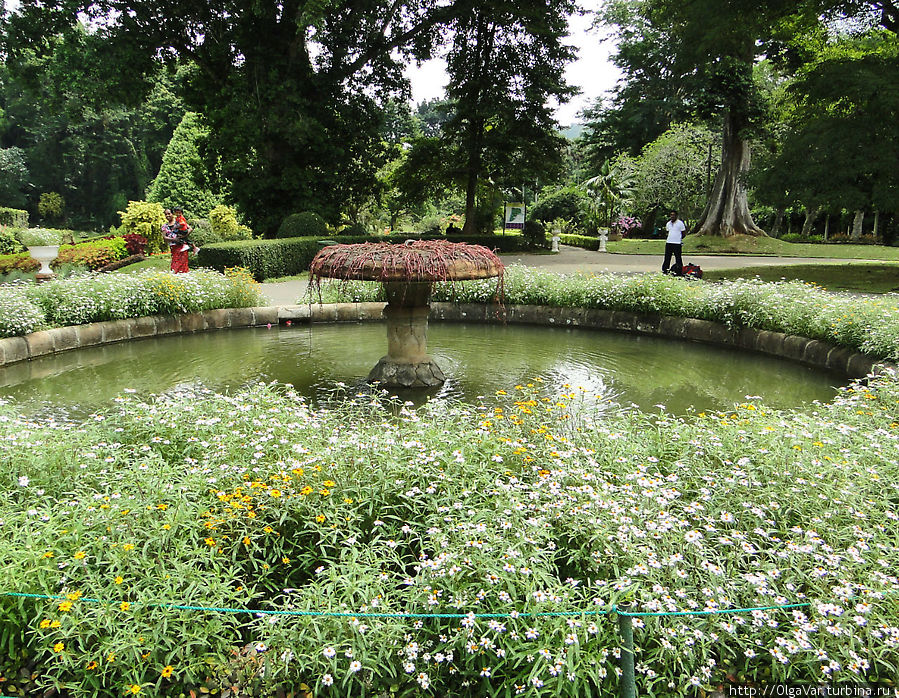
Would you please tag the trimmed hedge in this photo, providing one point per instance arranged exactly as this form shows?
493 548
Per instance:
588 242
13 217
267 259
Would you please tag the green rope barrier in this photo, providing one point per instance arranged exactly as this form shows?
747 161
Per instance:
350 614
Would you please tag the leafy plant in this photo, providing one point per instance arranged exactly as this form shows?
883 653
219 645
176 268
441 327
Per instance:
135 244
305 224
9 240
96 253
224 225
146 219
13 217
51 205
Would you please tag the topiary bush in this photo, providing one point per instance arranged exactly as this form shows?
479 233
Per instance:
224 225
534 234
305 224
51 205
144 218
13 217
569 203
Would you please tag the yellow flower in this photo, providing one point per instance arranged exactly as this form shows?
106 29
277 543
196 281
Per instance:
285 560
329 483
134 688
306 490
209 541
128 546
124 605
55 624
167 671
246 540
48 554
320 518
162 507
110 657
80 555
119 579
59 647
73 595
45 624
275 493
166 527
65 606
324 492
91 666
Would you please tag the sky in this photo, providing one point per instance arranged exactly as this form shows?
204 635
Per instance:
592 71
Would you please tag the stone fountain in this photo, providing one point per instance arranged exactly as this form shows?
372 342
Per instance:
408 272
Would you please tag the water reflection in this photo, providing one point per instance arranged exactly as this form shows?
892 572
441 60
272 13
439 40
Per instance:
480 359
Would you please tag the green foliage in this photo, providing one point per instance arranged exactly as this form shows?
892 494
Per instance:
202 233
9 240
183 180
93 255
18 313
305 224
609 192
672 171
224 225
13 217
144 218
587 242
534 234
355 229
569 203
51 205
14 176
266 259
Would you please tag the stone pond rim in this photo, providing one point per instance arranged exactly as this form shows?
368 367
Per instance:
408 272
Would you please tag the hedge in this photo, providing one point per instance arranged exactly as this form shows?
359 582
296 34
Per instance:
13 217
588 242
267 259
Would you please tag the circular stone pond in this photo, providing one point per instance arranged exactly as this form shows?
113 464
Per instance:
612 368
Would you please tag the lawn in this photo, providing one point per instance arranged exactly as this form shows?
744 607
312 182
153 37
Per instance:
744 244
857 277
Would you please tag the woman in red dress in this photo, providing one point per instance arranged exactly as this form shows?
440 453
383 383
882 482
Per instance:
174 231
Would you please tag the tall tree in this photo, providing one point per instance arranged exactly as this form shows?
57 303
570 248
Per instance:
290 88
505 64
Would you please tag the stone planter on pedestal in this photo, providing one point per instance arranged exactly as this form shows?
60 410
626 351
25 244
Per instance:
44 254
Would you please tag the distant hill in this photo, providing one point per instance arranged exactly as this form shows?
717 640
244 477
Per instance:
573 131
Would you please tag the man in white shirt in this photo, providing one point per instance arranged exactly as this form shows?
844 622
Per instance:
674 244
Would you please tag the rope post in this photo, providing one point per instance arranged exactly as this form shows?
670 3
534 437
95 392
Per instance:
626 629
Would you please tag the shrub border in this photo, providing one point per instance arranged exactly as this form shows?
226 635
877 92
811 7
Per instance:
811 352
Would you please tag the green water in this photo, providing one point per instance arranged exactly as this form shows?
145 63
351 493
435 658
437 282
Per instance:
479 359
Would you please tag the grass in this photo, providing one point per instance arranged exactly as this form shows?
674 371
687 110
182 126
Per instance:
857 277
762 247
157 262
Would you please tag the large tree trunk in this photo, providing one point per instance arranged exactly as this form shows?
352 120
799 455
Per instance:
811 215
727 211
778 220
857 225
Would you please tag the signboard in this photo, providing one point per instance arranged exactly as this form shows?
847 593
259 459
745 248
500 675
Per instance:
514 217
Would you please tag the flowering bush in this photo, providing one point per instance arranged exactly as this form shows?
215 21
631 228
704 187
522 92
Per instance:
96 297
516 507
18 314
868 324
40 237
627 224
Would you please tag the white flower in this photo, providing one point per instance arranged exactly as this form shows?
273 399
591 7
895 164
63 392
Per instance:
327 680
23 481
355 666
329 652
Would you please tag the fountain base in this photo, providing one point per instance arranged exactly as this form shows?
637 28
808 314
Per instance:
424 374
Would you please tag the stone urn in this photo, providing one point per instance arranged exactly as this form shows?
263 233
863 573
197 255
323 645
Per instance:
408 272
44 254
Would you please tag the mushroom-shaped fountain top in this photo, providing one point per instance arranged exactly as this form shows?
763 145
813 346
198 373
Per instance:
408 272
416 261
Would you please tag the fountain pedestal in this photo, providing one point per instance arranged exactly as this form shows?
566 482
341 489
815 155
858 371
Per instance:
407 364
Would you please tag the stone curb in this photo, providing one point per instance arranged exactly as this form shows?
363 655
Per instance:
807 351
